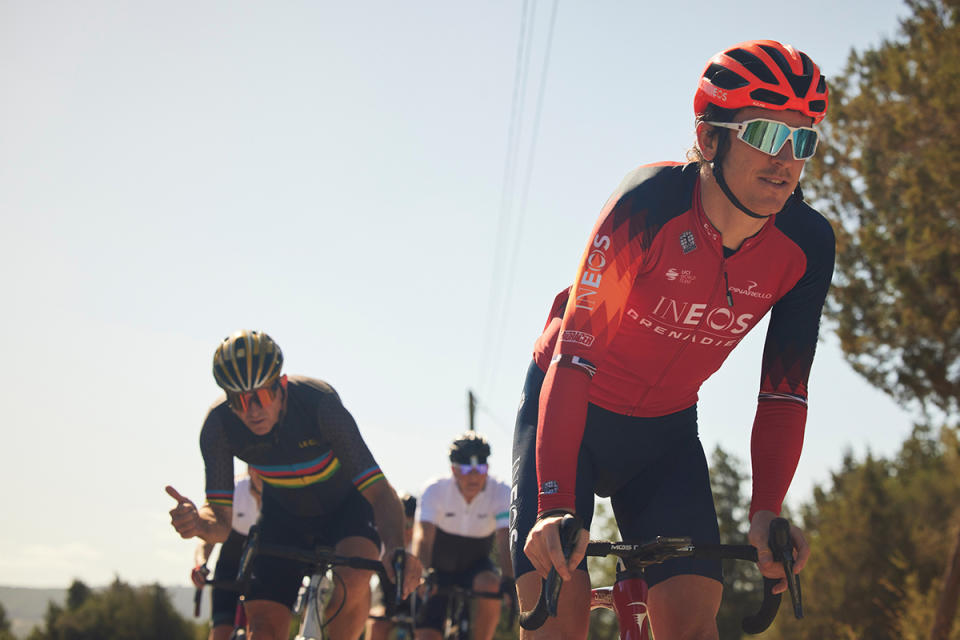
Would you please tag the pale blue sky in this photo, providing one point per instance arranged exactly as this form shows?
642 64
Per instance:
332 173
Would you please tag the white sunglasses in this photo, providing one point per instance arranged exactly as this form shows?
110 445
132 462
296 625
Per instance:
769 136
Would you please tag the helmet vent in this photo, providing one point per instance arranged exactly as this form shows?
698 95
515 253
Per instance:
724 78
768 97
754 64
817 106
799 83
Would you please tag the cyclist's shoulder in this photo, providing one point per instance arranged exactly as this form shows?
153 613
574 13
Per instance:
654 193
434 487
808 228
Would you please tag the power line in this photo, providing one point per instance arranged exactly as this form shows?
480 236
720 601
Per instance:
508 292
509 171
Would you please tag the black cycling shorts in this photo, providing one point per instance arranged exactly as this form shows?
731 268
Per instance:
433 613
278 579
653 469
224 601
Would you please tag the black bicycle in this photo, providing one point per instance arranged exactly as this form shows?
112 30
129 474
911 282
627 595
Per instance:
627 598
456 619
317 589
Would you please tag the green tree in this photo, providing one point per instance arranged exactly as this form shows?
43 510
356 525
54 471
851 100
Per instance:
119 612
741 580
879 535
5 633
887 175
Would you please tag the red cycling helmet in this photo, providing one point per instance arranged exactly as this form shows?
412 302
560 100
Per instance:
763 73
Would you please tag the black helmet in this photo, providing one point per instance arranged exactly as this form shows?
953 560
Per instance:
409 504
247 360
469 445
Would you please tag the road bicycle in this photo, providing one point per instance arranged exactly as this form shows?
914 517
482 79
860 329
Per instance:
627 598
319 583
456 619
240 617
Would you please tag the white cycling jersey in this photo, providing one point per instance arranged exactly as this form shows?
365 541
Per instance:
444 506
245 508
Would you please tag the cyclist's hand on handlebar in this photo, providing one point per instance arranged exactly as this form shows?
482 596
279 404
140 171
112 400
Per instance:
199 575
544 550
412 570
184 517
768 565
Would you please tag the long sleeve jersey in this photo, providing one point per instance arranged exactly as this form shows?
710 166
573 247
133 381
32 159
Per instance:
656 308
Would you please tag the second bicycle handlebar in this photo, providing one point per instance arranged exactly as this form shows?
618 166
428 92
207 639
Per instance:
662 549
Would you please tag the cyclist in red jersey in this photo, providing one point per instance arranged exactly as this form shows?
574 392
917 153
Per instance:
684 260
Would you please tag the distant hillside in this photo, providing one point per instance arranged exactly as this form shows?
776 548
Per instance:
26 606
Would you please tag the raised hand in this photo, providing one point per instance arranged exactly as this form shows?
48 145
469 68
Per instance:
184 517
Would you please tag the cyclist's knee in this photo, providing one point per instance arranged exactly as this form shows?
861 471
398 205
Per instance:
486 581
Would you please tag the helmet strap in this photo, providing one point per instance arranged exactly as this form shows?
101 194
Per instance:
718 175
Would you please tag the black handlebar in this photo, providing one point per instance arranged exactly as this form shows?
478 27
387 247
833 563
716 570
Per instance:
781 545
665 548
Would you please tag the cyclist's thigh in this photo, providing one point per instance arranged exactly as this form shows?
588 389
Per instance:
685 606
523 507
225 600
278 579
672 497
267 619
573 614
356 546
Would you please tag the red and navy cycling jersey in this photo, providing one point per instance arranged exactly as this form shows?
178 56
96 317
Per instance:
657 307
310 462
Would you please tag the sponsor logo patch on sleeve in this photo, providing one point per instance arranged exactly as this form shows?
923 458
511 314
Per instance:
549 487
578 337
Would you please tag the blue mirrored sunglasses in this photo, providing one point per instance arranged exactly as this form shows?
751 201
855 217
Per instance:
769 136
467 468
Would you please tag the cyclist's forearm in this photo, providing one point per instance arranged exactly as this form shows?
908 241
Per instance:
202 553
214 523
387 514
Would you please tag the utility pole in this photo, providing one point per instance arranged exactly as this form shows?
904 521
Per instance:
471 407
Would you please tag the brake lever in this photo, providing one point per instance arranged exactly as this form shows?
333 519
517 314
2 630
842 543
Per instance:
782 547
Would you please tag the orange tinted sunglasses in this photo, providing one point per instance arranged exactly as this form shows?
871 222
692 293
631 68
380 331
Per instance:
263 396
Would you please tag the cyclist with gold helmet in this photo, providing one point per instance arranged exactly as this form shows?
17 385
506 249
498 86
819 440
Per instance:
684 260
321 484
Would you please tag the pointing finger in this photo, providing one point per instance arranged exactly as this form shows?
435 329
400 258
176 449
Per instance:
173 493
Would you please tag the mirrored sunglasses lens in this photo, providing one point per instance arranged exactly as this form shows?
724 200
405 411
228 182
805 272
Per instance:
765 135
238 401
804 143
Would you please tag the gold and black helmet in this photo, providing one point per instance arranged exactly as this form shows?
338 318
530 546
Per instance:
247 360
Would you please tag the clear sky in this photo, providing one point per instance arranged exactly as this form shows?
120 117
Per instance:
336 174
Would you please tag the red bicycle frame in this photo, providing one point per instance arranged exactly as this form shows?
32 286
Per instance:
627 598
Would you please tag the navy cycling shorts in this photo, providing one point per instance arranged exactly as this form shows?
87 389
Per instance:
278 579
224 601
653 469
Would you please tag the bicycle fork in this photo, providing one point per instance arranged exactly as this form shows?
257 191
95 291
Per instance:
309 605
628 600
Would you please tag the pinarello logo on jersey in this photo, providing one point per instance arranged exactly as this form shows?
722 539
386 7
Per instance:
578 337
749 291
593 267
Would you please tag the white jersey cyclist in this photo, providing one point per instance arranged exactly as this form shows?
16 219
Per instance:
245 507
465 530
